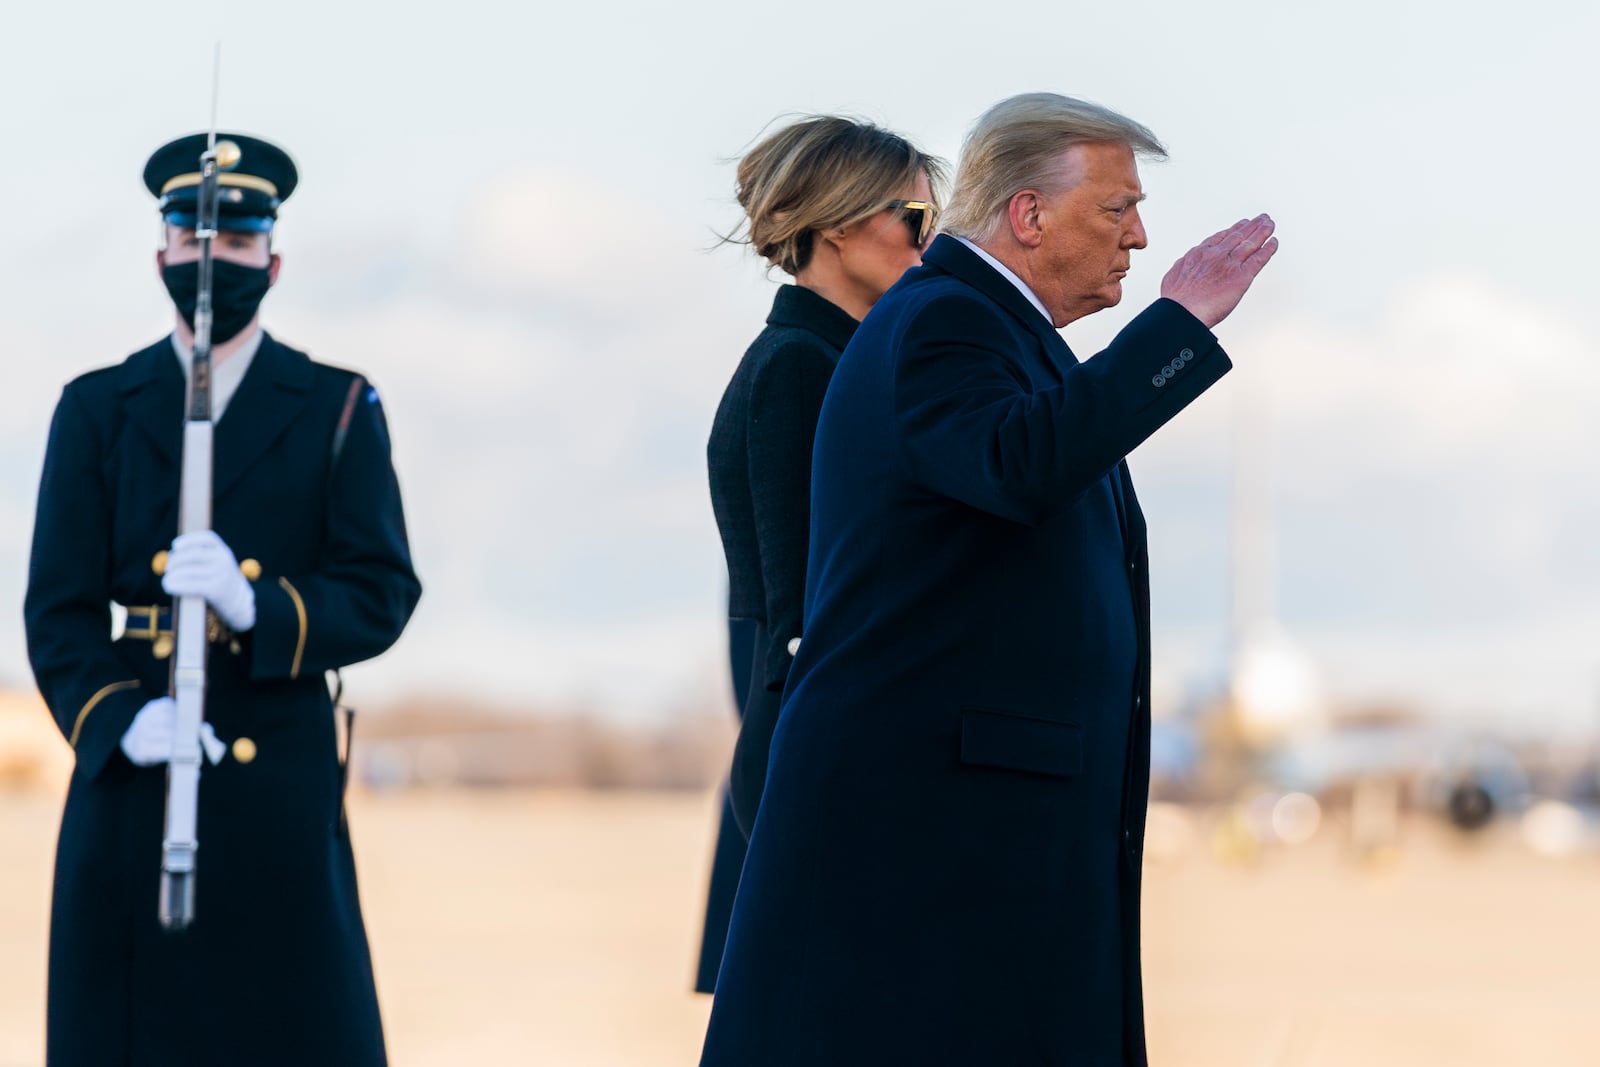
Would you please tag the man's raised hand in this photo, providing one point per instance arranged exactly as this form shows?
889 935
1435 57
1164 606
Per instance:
1212 277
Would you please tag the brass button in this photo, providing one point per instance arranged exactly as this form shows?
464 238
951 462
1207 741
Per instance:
158 562
162 645
251 569
244 750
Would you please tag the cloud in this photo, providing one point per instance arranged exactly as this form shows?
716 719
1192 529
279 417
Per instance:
550 372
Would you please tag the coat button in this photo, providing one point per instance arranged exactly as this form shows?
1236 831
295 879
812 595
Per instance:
1186 355
158 562
1158 381
1167 372
244 750
793 646
251 569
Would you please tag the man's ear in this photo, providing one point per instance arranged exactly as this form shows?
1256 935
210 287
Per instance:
161 261
1023 213
272 269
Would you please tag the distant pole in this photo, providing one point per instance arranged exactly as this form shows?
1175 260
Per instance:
1253 548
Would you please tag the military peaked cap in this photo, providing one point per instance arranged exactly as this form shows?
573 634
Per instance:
248 194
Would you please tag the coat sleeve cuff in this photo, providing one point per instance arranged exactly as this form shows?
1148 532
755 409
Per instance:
95 732
278 640
1171 356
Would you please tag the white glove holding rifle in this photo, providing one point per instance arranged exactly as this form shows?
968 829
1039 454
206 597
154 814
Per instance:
148 741
201 564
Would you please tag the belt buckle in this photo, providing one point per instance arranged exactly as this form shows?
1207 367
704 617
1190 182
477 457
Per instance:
161 641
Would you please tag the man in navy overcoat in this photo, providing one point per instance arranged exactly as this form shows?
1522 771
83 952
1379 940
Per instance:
945 868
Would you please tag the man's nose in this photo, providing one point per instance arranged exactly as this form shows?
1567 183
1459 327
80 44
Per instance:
1136 237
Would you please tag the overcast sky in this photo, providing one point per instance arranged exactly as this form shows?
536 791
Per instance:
507 220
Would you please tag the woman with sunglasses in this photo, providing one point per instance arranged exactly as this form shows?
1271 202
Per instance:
844 208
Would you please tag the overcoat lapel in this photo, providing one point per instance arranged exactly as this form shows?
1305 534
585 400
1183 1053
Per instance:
274 391
953 257
152 383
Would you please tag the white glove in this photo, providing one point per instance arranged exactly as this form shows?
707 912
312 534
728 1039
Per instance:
201 564
148 741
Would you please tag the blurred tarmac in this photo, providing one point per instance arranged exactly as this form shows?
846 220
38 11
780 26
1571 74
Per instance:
559 928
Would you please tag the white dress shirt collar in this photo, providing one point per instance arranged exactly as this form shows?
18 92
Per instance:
225 376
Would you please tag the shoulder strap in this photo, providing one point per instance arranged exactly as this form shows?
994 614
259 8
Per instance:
336 683
343 429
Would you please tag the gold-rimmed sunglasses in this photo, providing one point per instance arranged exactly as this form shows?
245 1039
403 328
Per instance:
920 218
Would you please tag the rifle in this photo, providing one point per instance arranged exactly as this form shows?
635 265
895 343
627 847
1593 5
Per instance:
187 683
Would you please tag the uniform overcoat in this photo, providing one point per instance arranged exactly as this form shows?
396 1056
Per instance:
945 867
276 968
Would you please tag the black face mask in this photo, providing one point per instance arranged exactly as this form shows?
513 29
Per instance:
236 293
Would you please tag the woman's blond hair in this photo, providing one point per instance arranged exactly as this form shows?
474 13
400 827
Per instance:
1017 145
823 172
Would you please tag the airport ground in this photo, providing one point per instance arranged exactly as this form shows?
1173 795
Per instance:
558 928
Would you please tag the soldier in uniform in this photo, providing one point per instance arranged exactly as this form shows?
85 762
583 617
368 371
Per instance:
306 569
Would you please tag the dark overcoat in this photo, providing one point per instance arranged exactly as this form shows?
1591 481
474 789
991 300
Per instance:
759 463
759 459
728 858
945 868
275 969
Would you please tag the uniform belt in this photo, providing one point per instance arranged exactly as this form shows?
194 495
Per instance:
154 624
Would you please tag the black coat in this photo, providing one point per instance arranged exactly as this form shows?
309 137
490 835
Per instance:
728 859
759 458
276 968
945 868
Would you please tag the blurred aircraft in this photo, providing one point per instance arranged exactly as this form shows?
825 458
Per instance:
1269 730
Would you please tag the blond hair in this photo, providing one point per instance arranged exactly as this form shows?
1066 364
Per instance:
821 173
1017 145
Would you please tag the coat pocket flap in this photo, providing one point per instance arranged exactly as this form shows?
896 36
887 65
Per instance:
1020 743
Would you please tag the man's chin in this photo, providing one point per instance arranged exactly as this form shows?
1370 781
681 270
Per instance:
1089 303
